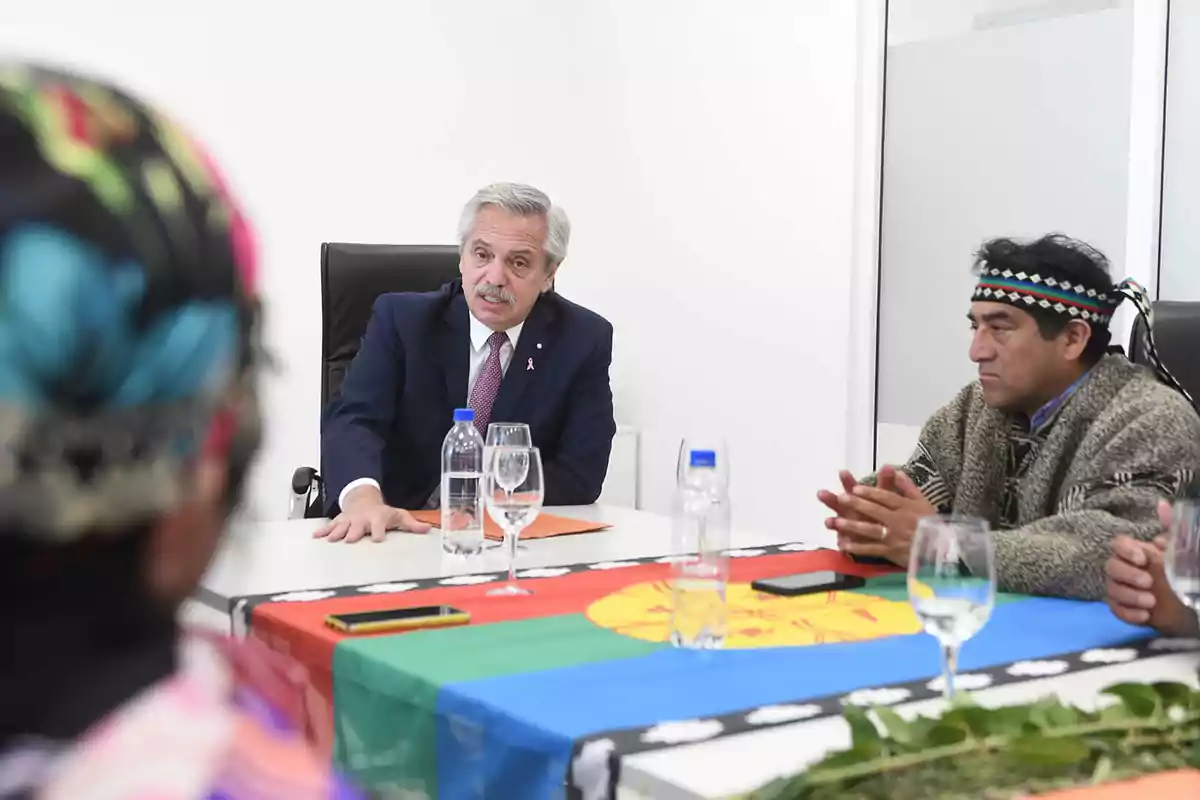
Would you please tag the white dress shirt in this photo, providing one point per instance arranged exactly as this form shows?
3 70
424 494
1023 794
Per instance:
480 351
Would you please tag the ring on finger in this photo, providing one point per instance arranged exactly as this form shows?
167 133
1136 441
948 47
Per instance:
883 532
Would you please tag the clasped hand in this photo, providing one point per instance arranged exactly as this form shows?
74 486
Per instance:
877 521
1138 590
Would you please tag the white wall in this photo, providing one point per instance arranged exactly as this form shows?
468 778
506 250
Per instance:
1180 275
992 130
705 150
919 20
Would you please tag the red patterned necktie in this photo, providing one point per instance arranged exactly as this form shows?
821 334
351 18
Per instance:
483 394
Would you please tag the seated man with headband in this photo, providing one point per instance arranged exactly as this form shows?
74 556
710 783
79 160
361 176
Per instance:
1060 445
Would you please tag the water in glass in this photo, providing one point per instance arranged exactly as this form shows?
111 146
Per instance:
462 489
501 434
700 569
515 490
1183 553
952 583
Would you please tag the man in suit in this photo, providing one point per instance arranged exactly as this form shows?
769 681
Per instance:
500 341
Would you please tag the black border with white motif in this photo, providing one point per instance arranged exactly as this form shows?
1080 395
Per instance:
241 607
604 750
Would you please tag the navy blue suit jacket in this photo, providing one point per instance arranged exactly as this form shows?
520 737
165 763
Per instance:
397 401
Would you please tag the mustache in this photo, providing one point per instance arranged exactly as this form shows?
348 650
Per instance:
495 294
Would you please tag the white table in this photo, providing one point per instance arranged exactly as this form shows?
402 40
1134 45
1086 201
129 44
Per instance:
707 770
269 557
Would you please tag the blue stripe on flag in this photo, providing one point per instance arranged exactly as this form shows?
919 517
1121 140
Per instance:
512 736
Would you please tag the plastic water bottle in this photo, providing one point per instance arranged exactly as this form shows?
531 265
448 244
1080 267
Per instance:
462 486
699 617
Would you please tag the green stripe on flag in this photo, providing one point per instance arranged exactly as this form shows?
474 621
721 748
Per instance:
385 688
894 586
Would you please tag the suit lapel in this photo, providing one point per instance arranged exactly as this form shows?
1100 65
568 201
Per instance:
539 329
456 351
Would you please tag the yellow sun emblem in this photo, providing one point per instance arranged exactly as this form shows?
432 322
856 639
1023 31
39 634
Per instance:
756 619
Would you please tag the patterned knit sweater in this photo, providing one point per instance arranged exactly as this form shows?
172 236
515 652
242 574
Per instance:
1056 497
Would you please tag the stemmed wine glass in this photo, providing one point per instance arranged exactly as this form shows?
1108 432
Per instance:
1182 559
952 602
683 460
514 434
514 492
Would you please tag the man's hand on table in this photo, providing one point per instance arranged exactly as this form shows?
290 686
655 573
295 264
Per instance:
878 521
364 513
1137 587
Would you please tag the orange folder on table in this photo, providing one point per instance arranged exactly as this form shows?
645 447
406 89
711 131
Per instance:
1163 786
545 526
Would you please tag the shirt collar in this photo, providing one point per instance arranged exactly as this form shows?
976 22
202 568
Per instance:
480 333
1048 412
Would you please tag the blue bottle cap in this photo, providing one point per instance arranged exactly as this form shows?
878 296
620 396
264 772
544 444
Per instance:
464 415
703 458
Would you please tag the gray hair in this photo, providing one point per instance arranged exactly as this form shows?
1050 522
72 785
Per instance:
523 201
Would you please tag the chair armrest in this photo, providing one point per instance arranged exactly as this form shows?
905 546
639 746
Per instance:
303 479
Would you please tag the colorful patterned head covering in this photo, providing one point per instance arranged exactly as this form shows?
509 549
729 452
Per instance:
127 309
1035 289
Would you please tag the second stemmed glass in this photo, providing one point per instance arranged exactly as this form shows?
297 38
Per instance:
514 492
952 602
500 434
512 434
1182 559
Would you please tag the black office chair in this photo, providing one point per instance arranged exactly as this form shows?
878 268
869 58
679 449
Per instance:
352 277
1177 339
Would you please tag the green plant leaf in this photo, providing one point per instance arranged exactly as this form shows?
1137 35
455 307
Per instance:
1043 751
1115 712
919 727
1049 713
1174 695
864 736
1138 698
1017 751
894 725
1103 770
1193 755
947 732
975 720
1061 716
1004 721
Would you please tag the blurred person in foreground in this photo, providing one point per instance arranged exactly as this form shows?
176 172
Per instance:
1137 588
128 416
499 340
1060 444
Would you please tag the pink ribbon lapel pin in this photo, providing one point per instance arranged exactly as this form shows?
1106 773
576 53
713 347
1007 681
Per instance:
529 366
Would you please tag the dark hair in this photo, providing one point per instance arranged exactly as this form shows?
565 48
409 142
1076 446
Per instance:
1060 257
67 608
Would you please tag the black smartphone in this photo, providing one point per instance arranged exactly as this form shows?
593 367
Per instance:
390 619
872 560
808 583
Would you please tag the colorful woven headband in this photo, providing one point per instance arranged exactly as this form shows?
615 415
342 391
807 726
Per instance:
129 337
1096 307
1025 290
